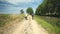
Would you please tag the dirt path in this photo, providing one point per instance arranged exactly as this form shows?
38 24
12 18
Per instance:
25 27
29 27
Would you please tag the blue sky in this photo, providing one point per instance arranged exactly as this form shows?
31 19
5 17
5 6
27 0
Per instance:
14 6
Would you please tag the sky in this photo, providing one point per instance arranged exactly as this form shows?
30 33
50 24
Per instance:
14 6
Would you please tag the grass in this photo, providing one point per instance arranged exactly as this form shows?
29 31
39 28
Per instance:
49 24
6 18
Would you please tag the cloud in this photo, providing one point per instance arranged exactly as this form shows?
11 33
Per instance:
14 6
19 1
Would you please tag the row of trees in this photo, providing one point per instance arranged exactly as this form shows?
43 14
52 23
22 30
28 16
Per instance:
49 7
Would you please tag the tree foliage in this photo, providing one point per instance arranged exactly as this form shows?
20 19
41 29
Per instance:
21 11
49 7
29 10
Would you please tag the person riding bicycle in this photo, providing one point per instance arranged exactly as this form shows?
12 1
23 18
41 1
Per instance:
32 14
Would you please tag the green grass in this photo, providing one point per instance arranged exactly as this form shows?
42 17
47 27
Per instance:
48 24
6 18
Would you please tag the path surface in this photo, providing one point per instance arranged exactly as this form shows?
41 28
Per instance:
25 27
29 27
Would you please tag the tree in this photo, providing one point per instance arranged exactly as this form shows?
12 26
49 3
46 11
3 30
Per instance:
22 12
29 10
49 7
41 8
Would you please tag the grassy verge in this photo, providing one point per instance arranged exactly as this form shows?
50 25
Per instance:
49 27
6 18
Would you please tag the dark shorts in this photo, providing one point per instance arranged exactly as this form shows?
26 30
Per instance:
26 18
